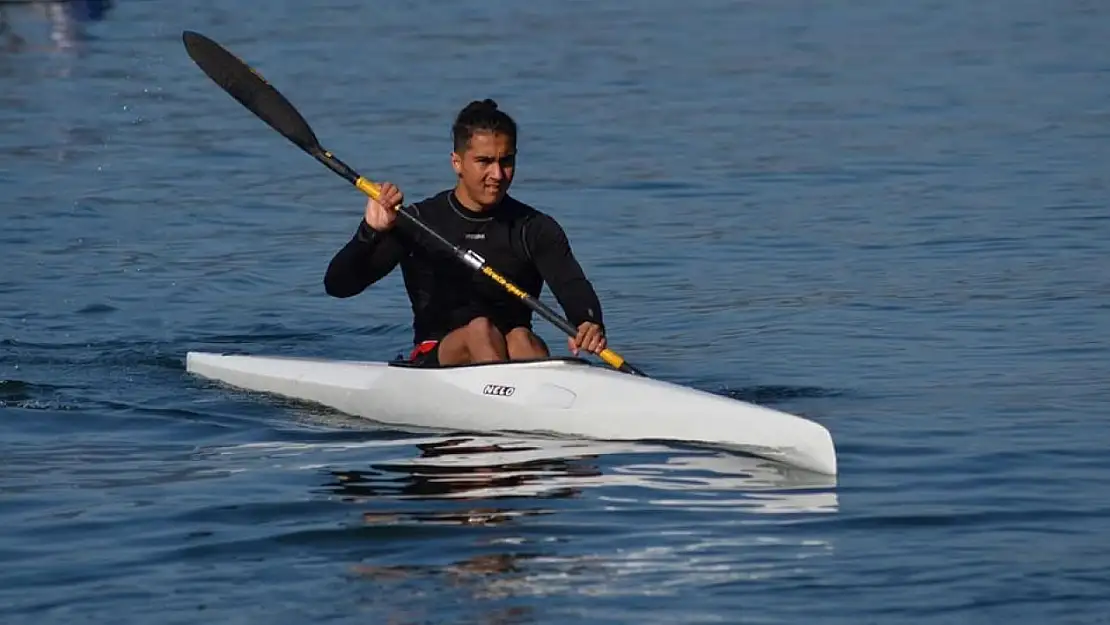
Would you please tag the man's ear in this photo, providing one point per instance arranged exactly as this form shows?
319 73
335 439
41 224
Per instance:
456 163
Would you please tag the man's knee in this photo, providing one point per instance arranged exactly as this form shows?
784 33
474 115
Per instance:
526 343
523 334
482 328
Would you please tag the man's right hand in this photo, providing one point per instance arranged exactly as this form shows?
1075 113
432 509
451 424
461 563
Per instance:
381 214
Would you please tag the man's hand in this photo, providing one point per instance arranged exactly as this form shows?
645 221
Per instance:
591 338
381 213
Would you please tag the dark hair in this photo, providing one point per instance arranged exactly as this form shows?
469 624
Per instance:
479 116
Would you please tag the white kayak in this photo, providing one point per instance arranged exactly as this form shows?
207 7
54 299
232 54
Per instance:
558 396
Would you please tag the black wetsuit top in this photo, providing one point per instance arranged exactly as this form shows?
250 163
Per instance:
523 244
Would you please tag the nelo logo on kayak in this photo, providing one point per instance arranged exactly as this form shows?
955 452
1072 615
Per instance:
499 390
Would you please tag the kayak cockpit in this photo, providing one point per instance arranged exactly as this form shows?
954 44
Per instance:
532 362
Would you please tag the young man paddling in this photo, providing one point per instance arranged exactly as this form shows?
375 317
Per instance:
461 317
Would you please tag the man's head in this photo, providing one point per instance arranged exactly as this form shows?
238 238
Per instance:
484 155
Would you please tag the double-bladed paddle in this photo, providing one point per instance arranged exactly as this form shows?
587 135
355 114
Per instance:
247 86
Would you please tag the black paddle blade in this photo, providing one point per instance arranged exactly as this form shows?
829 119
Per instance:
250 89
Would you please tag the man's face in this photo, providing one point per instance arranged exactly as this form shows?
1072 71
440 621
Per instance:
486 167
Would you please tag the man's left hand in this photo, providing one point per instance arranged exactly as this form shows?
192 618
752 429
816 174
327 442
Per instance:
591 338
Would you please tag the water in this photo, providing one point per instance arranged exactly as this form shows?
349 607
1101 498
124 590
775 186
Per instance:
888 217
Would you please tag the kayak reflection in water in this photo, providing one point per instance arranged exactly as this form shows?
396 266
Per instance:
461 317
461 469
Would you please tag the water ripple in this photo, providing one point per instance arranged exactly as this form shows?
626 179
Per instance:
887 217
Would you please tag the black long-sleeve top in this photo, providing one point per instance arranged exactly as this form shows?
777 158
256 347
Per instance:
523 244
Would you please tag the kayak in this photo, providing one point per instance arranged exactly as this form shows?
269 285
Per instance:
563 397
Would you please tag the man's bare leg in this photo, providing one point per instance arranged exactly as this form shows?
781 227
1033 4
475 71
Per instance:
525 345
477 341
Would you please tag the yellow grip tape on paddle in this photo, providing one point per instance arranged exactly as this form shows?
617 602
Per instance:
368 187
612 358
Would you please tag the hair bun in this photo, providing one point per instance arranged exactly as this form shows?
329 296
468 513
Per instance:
483 106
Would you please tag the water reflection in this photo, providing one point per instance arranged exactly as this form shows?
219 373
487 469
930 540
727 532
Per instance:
491 518
485 578
490 469
467 468
502 468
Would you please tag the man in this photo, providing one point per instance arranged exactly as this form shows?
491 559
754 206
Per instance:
460 316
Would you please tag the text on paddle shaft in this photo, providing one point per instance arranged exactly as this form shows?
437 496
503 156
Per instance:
497 389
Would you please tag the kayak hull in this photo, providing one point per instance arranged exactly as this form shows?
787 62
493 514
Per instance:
558 396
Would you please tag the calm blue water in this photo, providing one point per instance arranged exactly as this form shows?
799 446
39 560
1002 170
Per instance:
889 217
